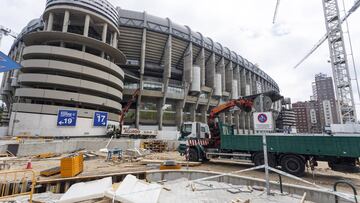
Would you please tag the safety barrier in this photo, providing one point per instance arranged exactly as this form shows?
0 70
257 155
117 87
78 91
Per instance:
17 183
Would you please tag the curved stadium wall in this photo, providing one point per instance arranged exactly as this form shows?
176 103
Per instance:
90 56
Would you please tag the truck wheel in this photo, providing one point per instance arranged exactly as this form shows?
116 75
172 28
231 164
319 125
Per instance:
259 159
193 155
344 165
293 164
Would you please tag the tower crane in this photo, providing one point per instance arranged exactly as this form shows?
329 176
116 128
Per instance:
276 10
338 58
4 31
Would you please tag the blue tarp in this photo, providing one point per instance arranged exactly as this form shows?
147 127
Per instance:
7 63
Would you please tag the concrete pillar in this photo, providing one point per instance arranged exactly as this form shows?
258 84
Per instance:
111 38
210 71
251 82
262 85
142 68
246 123
104 32
255 79
248 82
200 61
45 24
86 25
222 118
268 86
229 77
237 121
249 121
242 82
188 64
192 113
203 111
265 86
242 122
237 78
160 112
50 22
114 40
229 118
206 109
166 75
66 21
179 113
221 69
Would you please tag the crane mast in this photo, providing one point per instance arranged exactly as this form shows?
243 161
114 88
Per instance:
339 63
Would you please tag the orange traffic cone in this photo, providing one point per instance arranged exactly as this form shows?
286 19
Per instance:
29 164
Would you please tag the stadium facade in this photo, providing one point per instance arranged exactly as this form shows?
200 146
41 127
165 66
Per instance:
89 56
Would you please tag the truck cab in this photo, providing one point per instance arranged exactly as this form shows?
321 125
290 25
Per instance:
194 130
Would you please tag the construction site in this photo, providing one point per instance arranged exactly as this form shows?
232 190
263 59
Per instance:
103 104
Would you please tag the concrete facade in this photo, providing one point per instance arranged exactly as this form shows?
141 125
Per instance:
92 58
307 117
324 94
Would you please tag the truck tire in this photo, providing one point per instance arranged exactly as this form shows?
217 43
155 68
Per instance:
344 165
293 164
193 155
259 159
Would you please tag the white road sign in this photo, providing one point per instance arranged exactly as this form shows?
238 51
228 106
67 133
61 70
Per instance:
263 121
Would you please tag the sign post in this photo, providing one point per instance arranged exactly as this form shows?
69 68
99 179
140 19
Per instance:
67 118
263 122
100 119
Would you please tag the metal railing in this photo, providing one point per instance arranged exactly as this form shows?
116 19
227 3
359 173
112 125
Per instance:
17 183
346 183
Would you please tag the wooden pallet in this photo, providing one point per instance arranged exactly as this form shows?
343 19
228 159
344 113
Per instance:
155 145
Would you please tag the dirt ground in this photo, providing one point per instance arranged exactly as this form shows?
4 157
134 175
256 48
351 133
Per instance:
322 175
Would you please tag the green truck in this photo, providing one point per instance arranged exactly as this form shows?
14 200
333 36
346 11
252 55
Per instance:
292 152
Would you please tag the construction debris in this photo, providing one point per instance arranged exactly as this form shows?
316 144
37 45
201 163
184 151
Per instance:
46 155
134 190
50 172
86 190
136 152
182 190
154 145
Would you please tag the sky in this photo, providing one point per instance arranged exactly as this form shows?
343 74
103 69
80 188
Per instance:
244 26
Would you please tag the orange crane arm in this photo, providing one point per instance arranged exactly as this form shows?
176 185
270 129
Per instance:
243 104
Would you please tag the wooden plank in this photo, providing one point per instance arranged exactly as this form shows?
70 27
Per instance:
183 163
50 171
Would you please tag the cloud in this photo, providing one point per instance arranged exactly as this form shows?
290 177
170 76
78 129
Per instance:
250 33
280 29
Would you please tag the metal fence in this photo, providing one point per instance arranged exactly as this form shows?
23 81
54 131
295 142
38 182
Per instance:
17 183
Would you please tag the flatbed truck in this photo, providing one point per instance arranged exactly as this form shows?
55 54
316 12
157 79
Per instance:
292 152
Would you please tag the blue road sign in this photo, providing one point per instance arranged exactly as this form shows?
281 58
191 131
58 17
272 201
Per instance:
7 63
67 118
262 118
100 118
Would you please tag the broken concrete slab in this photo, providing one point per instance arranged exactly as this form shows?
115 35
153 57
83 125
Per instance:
86 190
134 190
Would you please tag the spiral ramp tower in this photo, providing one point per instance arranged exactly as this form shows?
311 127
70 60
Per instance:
70 61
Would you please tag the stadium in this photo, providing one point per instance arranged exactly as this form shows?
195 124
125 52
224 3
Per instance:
90 56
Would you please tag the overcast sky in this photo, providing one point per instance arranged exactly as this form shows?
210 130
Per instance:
244 26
